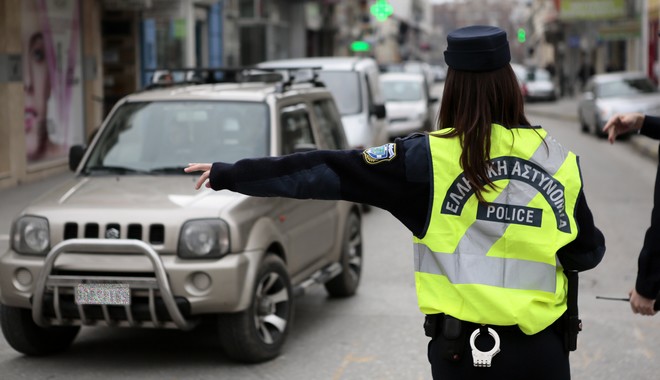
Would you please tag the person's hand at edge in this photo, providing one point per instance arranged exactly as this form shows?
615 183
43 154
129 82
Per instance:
206 171
623 123
640 304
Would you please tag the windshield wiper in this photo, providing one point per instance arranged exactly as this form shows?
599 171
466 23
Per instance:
113 170
169 170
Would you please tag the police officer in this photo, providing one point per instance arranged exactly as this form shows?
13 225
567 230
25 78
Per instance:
647 285
494 204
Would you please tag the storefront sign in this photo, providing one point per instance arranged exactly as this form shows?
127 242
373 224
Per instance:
592 9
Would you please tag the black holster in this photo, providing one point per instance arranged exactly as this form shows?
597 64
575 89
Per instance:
570 323
451 334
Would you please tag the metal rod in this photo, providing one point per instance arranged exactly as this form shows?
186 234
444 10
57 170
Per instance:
613 298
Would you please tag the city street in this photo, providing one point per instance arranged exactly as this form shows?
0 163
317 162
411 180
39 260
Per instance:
378 333
196 283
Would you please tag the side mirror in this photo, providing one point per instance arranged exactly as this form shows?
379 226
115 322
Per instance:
76 154
379 111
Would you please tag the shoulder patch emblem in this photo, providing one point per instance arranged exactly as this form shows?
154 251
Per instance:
381 153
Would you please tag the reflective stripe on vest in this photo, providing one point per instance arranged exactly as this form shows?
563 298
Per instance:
508 245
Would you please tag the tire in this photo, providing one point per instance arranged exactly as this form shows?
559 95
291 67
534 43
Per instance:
26 337
258 333
346 283
584 127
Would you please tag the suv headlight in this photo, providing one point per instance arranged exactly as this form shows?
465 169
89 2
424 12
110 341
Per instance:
31 235
203 239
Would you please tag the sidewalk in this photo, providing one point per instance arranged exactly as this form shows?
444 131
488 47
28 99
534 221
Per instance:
566 109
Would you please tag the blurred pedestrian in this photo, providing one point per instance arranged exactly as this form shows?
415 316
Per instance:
494 204
647 285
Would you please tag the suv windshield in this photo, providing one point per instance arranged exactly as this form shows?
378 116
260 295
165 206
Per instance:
345 87
163 137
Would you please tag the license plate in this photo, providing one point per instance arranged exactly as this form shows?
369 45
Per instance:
103 294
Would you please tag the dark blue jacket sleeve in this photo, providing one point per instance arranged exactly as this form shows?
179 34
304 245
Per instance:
648 263
651 127
395 184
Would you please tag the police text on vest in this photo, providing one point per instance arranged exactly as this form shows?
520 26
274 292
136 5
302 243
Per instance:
503 213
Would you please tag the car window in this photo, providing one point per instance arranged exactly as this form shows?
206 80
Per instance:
154 135
345 86
402 90
329 125
625 87
296 130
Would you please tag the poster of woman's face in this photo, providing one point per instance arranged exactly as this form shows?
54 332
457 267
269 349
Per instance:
51 77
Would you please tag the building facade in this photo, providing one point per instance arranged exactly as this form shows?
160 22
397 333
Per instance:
65 63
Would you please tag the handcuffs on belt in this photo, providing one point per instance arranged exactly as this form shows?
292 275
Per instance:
481 358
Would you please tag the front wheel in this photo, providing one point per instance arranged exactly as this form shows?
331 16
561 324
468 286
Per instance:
584 127
346 283
28 338
258 333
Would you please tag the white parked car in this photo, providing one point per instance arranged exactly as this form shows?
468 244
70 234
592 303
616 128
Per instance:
607 94
538 85
355 85
535 83
409 106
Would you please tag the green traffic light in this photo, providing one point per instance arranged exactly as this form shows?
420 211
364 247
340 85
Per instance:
381 9
360 46
522 36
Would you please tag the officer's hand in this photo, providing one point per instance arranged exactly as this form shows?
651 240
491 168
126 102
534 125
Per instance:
640 304
622 123
205 168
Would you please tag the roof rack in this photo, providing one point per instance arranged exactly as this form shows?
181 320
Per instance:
284 77
294 75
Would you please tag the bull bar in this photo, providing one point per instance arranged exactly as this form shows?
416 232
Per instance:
99 246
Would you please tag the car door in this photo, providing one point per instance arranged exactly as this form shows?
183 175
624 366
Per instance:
310 226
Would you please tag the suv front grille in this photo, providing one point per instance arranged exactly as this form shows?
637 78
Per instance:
155 232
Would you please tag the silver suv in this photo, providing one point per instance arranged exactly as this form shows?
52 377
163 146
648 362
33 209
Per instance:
128 242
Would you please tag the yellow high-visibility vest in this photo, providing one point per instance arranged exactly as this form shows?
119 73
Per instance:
495 263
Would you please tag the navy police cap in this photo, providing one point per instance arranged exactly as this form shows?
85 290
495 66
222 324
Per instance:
477 48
